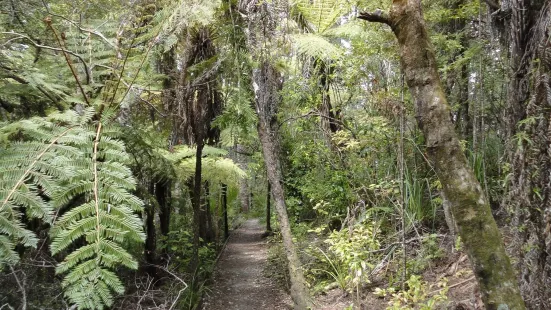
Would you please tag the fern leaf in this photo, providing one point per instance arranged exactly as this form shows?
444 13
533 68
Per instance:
316 46
104 221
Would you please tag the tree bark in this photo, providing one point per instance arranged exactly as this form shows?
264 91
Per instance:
225 210
267 79
477 227
162 194
262 21
209 237
529 136
151 239
199 214
268 208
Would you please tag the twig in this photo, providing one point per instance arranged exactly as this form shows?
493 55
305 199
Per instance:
406 242
177 278
454 285
21 285
96 33
48 22
149 282
46 47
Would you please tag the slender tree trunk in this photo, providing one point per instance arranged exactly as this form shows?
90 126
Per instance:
162 194
151 239
267 79
268 208
225 210
262 21
477 227
199 215
209 237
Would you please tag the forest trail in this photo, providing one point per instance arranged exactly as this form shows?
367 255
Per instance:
239 281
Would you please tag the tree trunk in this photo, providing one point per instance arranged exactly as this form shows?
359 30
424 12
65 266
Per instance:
268 208
199 214
529 140
162 194
151 239
244 194
225 210
209 237
477 227
267 79
262 21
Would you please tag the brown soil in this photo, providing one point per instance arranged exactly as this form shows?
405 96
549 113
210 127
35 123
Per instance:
239 282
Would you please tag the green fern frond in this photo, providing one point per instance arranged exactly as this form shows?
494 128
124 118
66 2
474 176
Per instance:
350 30
316 46
31 169
67 158
320 14
106 219
172 20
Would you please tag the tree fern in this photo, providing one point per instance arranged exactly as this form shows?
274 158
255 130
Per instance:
53 163
319 14
316 46
105 219
216 168
31 166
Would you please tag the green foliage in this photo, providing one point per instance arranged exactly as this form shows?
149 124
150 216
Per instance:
215 168
62 163
429 252
180 16
418 295
353 249
349 256
33 163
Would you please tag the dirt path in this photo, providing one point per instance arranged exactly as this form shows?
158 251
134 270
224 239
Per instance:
239 282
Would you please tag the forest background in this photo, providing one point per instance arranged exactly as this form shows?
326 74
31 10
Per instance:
135 134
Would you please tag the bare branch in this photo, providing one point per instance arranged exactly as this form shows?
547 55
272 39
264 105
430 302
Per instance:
61 43
35 44
21 284
76 24
378 16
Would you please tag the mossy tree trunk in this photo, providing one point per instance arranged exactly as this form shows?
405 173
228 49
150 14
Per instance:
469 206
269 209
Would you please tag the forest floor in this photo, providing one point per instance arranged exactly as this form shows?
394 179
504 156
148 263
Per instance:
239 280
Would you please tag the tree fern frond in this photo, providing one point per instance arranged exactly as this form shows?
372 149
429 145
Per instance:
106 219
7 253
30 174
172 20
321 14
316 46
350 30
